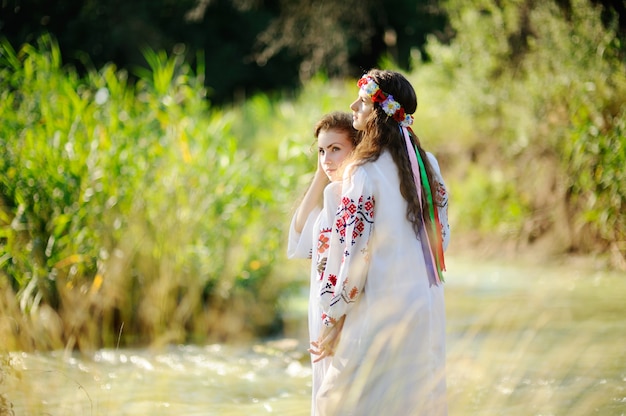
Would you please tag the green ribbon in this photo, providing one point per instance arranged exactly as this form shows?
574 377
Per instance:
431 210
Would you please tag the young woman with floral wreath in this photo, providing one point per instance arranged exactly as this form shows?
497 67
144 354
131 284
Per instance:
310 228
381 292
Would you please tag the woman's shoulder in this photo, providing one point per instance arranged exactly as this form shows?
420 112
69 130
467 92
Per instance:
383 162
354 170
370 167
364 171
435 166
433 161
332 194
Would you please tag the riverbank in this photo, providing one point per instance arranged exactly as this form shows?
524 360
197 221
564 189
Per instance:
548 250
535 339
523 339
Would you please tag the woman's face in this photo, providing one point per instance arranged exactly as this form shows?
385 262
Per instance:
333 147
361 109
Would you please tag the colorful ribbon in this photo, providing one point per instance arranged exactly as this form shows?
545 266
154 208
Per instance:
433 257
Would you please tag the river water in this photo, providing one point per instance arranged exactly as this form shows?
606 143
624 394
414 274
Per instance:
522 340
266 378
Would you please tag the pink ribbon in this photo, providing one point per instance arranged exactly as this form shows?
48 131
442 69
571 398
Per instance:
429 257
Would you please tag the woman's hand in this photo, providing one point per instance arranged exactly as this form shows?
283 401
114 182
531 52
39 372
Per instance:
312 198
329 339
320 173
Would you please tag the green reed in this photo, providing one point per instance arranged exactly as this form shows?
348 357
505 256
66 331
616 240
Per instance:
130 213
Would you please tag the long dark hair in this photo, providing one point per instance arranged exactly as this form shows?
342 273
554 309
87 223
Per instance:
383 133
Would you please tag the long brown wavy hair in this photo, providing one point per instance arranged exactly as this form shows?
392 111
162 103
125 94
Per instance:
339 121
383 133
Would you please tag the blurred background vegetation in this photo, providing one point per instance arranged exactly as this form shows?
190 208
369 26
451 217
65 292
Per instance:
153 151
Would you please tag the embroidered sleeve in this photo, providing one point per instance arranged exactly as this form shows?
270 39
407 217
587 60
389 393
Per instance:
441 201
332 196
348 257
300 245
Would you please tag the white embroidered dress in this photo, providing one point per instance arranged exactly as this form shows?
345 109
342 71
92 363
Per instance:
391 356
313 243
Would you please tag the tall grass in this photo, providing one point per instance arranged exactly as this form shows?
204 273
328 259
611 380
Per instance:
131 213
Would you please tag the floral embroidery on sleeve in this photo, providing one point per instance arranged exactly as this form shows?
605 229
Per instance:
323 244
355 216
348 256
441 201
323 241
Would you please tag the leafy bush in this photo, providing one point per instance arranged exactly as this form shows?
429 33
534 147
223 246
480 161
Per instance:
133 210
532 95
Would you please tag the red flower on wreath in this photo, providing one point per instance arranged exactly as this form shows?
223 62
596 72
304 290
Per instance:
379 96
399 115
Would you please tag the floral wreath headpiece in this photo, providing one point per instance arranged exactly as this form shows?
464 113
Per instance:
386 101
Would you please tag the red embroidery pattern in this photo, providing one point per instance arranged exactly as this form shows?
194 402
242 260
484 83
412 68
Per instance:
341 228
350 207
322 243
332 279
353 223
440 195
358 229
353 293
354 214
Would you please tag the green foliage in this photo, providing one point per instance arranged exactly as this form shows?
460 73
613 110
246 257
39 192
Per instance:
495 206
133 208
535 92
598 186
